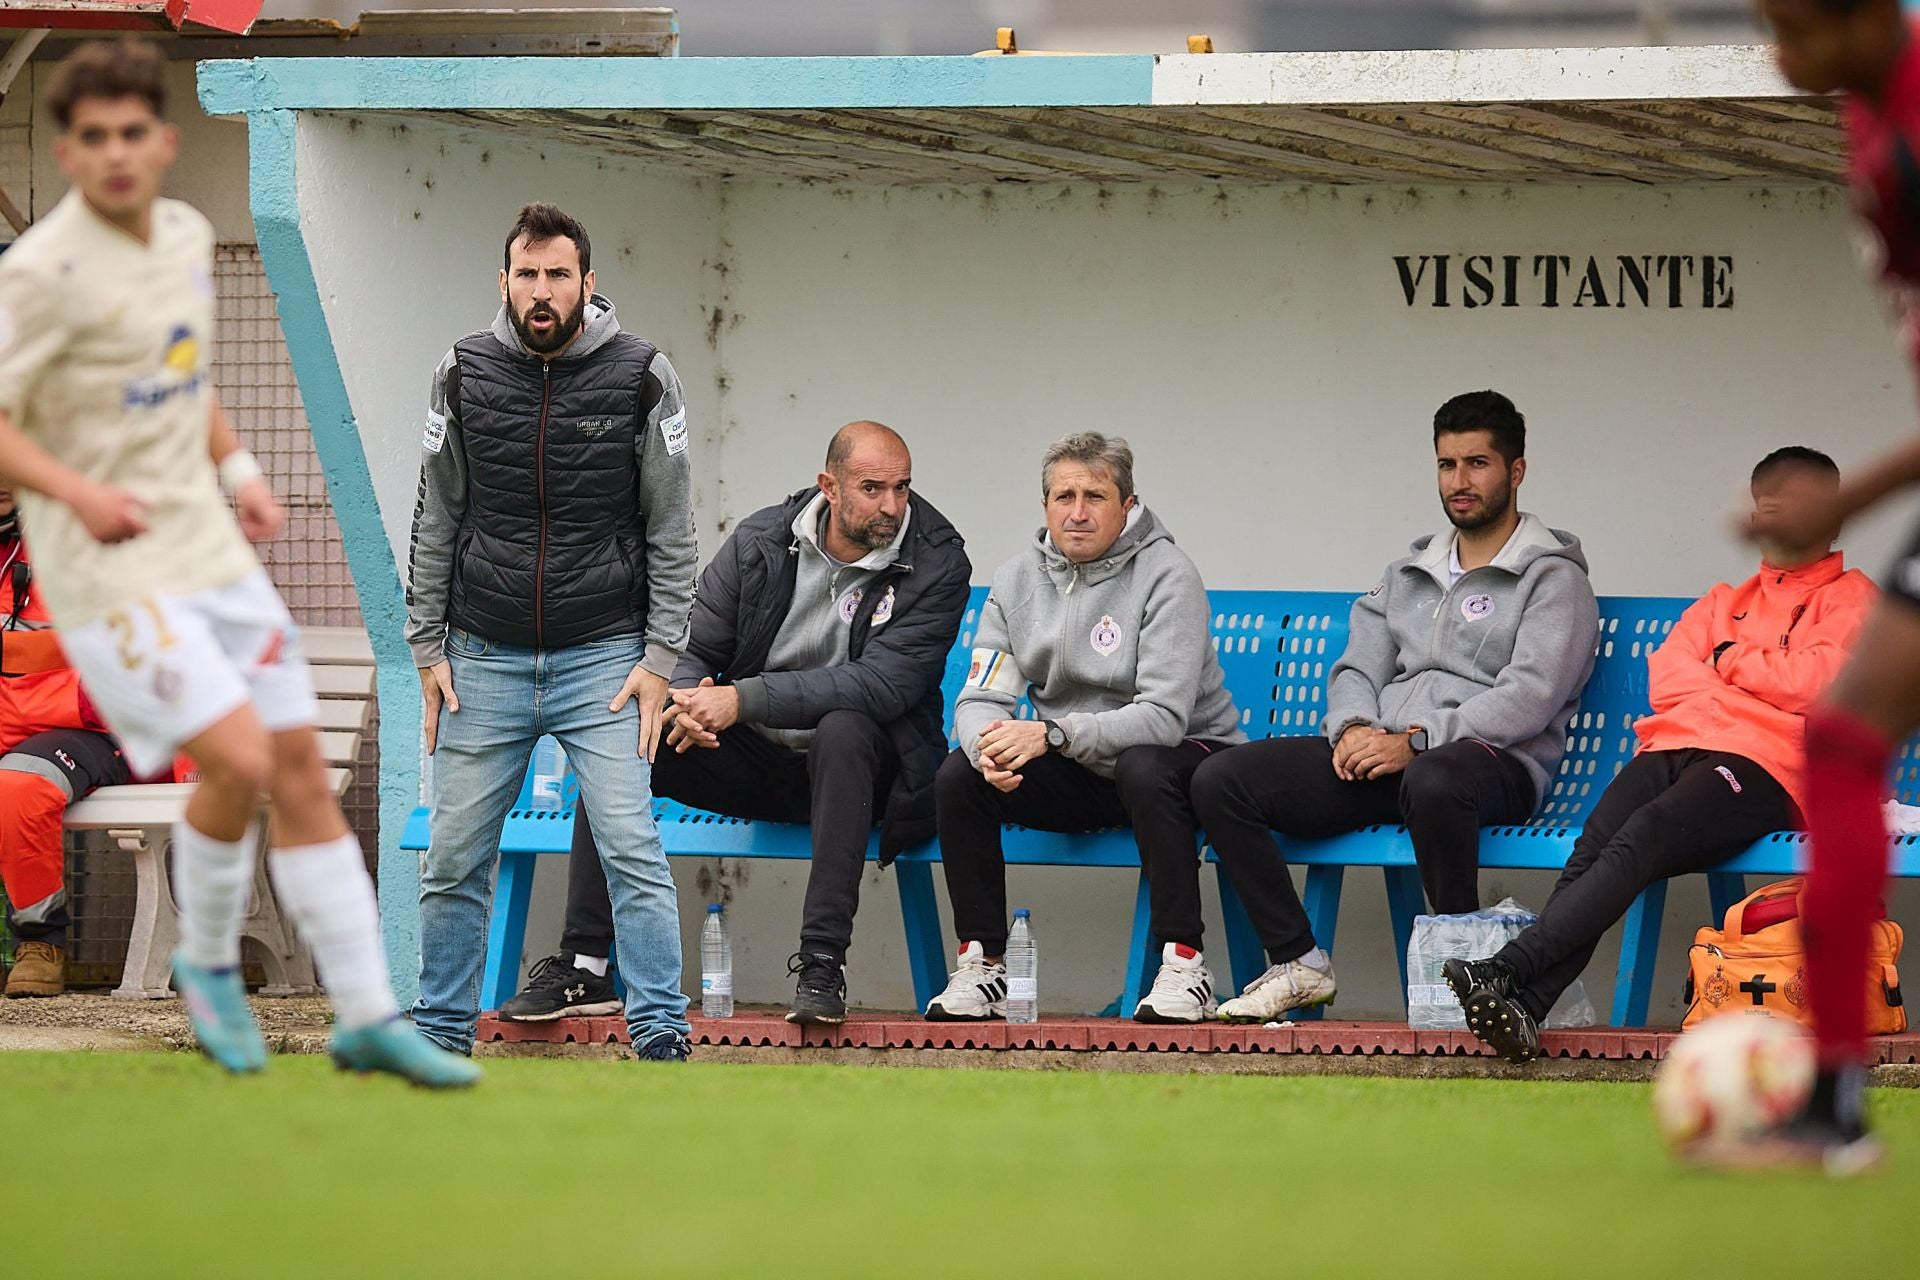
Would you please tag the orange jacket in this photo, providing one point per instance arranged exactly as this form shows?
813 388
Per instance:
1780 637
38 691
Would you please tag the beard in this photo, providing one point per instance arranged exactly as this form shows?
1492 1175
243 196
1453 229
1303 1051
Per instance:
1491 511
873 534
559 336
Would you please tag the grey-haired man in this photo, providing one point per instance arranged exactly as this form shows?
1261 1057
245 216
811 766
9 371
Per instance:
1101 624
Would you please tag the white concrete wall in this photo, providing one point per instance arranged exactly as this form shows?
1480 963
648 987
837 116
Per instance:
1254 344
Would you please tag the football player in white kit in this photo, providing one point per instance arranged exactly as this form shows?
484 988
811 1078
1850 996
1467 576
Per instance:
112 436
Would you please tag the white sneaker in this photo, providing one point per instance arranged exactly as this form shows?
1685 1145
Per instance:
976 992
1182 990
1282 988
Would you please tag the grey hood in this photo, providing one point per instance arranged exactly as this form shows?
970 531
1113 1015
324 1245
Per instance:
1433 554
1118 649
1499 657
598 329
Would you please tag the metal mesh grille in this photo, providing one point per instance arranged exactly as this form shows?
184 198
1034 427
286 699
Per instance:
307 562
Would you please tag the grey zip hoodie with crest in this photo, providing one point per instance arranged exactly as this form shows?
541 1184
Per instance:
1499 657
1117 649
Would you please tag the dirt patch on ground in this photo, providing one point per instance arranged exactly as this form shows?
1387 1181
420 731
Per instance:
95 1020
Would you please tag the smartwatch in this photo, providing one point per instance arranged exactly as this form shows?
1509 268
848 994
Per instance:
1417 739
1056 736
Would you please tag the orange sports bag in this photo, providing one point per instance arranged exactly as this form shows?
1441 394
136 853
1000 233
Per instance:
1756 963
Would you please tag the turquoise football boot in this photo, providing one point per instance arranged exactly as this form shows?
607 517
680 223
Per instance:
396 1047
216 1001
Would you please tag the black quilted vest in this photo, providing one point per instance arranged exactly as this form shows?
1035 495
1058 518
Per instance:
550 551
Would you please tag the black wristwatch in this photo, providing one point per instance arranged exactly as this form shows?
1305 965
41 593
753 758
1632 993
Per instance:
1417 740
1056 736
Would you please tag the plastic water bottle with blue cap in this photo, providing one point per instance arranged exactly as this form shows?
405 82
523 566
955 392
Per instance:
549 774
716 965
1023 970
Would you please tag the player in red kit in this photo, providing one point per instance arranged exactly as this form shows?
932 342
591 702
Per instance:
1866 49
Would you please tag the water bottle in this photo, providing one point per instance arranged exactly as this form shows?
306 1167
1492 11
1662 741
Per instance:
549 774
716 965
1023 971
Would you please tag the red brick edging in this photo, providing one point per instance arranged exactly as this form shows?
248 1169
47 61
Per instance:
760 1028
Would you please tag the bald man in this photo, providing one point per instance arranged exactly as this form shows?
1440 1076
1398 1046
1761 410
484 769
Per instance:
809 692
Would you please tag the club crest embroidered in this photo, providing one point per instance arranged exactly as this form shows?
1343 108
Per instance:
1796 989
1716 990
883 610
850 604
1474 608
1105 637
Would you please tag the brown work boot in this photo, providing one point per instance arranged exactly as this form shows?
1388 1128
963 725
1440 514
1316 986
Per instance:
39 969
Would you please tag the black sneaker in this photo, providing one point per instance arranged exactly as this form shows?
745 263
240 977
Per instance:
664 1046
555 989
1468 976
820 995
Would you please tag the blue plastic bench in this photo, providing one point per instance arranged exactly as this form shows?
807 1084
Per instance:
1600 742
686 832
1276 648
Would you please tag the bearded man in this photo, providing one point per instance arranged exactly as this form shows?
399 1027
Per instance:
550 583
1448 711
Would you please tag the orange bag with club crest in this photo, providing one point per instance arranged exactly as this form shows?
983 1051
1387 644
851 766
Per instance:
1756 964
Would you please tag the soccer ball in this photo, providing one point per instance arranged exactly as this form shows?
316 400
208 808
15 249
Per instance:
1732 1077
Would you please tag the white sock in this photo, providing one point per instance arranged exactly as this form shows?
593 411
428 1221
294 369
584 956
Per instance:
595 965
327 891
211 880
1317 959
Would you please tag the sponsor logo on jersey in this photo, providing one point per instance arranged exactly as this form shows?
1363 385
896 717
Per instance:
180 374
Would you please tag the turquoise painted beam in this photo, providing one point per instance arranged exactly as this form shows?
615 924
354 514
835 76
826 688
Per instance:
506 84
275 194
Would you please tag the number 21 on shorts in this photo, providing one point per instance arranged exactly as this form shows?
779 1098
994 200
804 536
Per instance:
125 628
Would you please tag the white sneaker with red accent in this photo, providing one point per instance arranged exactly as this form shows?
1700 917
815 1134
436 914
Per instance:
1182 990
976 992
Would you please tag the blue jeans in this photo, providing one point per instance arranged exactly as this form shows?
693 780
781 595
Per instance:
509 696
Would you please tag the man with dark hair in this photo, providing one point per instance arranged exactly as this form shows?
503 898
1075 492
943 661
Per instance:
1101 623
1719 764
550 582
117 448
809 692
1448 711
108 70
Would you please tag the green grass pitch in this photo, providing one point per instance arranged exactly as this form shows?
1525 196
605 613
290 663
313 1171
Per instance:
154 1165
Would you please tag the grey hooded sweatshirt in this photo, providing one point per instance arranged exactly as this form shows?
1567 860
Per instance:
1499 657
1117 650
